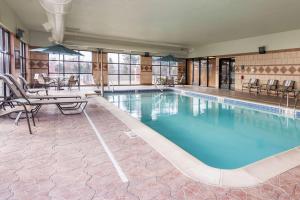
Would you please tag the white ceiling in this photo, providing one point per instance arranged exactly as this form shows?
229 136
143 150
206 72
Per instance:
186 23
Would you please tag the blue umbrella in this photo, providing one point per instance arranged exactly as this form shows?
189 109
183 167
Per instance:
169 58
57 49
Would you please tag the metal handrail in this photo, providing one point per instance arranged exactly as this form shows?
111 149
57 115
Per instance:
111 84
296 100
156 82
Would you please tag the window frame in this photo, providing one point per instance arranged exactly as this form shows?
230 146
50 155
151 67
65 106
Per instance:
22 59
119 63
160 65
62 61
5 62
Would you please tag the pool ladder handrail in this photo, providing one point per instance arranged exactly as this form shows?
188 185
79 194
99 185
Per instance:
157 82
296 98
111 84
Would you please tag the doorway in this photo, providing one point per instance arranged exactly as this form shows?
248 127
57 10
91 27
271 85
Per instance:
227 73
196 72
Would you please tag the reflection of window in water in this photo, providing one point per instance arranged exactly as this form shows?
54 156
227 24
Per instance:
135 106
203 104
163 104
195 102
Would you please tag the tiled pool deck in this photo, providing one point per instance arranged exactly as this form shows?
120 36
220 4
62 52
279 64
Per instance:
64 159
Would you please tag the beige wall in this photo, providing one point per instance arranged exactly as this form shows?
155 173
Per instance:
97 68
38 63
10 21
282 65
146 70
276 41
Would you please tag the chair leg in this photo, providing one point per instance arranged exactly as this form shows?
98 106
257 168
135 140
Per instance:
32 117
27 118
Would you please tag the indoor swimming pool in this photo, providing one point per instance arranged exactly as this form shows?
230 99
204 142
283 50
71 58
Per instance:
220 134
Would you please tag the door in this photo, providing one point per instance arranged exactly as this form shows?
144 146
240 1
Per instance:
227 73
196 72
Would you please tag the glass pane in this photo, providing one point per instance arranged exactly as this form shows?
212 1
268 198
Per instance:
6 42
172 63
1 63
135 79
54 76
124 69
165 70
173 71
156 70
124 79
165 63
125 58
203 69
55 67
86 79
135 59
7 63
54 56
155 60
112 58
113 79
1 39
87 56
70 67
71 58
85 67
112 68
135 69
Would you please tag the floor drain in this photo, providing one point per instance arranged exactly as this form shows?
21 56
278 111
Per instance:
130 134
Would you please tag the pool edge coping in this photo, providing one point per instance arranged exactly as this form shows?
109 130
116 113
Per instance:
247 176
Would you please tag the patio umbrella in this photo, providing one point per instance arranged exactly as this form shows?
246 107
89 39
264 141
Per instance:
169 58
57 49
60 50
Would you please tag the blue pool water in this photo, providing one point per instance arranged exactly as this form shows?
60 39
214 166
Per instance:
220 135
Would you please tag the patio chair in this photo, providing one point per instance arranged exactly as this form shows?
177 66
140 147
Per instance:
16 83
40 81
287 87
181 81
19 108
170 82
297 97
72 82
27 88
252 84
66 106
271 85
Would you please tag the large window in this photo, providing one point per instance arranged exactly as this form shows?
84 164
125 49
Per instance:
4 57
124 69
64 66
22 59
163 69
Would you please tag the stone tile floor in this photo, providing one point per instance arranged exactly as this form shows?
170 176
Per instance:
63 159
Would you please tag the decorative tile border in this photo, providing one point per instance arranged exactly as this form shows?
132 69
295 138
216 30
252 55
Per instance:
255 106
237 102
140 90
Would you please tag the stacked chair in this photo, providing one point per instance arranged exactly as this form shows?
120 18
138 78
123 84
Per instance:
272 85
252 84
